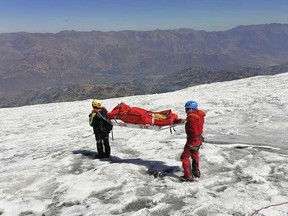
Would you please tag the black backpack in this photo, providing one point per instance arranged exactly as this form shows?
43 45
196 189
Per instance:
107 126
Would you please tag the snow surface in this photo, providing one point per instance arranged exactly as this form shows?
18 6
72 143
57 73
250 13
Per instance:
48 166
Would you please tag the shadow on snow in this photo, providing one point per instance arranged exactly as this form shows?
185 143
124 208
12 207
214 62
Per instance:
156 168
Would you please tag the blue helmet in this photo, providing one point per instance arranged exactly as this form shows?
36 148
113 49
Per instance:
191 105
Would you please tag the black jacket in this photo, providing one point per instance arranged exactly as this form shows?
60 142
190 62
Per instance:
97 119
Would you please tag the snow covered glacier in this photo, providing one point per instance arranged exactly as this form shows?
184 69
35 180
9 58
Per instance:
48 165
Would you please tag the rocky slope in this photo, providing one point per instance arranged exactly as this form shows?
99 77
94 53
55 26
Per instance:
38 63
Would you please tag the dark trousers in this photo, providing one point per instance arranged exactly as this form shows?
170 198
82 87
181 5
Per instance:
102 144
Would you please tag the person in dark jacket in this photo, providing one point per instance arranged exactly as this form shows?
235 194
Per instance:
101 128
194 129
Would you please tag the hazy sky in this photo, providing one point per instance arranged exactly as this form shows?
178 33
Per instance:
108 15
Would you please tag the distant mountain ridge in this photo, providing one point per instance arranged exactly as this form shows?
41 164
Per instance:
33 60
152 84
36 61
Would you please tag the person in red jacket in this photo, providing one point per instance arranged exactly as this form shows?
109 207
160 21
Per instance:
194 129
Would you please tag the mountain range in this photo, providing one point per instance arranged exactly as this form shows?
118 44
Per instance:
48 67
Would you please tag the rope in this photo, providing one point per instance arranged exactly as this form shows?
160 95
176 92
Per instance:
254 213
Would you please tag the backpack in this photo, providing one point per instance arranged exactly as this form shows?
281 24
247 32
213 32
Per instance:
107 126
103 125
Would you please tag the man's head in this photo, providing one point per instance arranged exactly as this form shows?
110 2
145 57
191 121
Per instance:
96 103
191 105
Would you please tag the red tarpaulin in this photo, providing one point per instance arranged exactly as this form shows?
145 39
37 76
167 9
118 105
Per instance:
138 115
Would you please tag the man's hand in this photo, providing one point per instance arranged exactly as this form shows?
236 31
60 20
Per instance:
179 121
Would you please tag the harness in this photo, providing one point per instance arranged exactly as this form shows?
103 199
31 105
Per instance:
196 148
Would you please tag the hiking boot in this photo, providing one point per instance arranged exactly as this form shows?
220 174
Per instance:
196 174
186 178
99 156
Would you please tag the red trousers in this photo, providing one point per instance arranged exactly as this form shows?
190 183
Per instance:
185 158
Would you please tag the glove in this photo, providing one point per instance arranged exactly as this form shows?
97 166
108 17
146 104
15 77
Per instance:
182 121
179 121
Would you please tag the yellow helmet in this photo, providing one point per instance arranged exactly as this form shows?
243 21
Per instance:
96 103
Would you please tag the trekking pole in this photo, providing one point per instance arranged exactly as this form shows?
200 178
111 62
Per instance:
112 135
